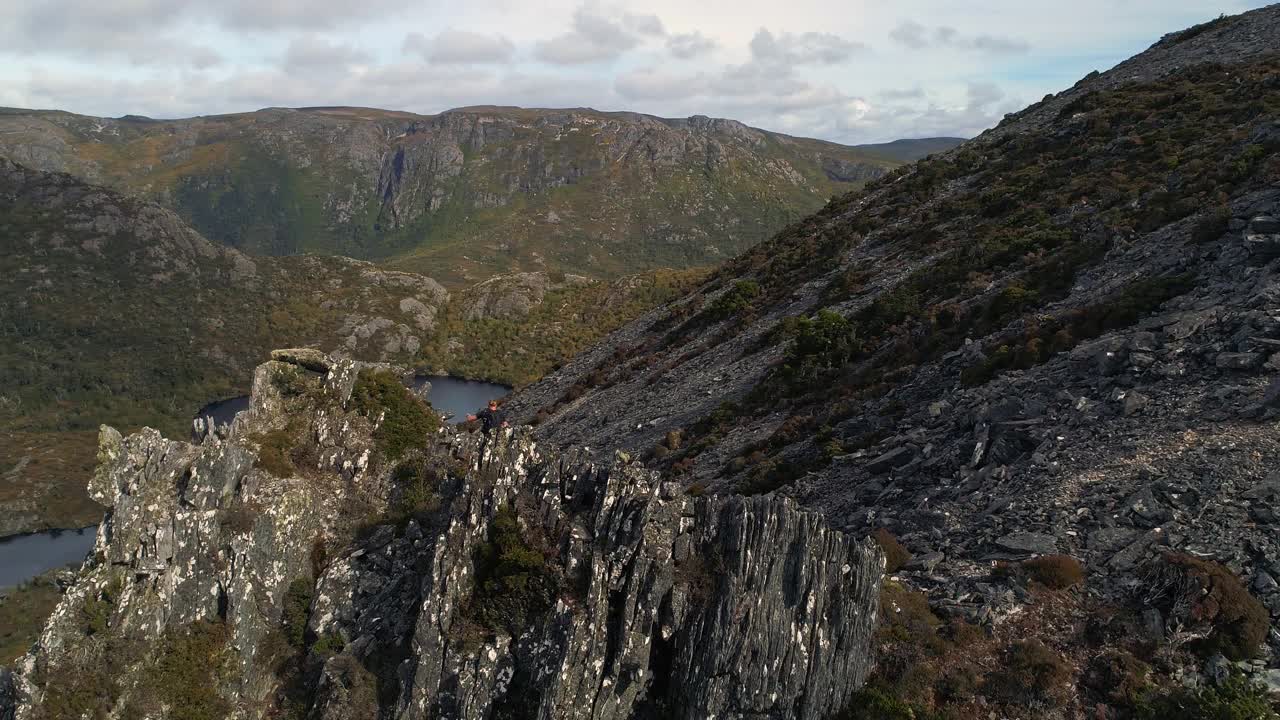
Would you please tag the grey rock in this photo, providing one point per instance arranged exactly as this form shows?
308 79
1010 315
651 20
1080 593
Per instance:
1239 361
1264 224
1271 396
895 458
926 562
308 358
1264 584
1110 539
1029 542
1133 403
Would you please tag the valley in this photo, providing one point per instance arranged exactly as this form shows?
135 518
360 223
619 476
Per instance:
931 429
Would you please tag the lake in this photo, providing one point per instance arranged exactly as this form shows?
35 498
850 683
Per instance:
23 557
457 397
453 396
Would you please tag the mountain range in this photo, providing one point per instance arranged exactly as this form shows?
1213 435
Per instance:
989 434
150 264
466 194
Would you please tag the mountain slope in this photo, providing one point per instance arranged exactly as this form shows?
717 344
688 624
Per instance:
462 195
112 310
115 311
1061 337
911 149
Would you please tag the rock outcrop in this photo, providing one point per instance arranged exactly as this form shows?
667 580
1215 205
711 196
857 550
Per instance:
287 562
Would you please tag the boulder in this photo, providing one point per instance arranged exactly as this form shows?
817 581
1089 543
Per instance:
1029 542
895 458
1239 361
308 358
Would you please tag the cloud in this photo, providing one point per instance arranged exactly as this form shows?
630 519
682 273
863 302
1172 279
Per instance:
1000 44
598 37
314 53
914 93
916 36
461 47
910 33
687 46
288 14
983 94
810 48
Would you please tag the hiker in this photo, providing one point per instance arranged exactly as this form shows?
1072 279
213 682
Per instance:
490 418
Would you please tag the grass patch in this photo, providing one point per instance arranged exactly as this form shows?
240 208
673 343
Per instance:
23 613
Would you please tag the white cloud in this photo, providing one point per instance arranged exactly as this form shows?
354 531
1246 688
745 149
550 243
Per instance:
915 36
313 53
687 46
461 47
597 36
810 48
873 71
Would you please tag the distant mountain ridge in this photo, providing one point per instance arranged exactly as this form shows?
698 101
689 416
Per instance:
464 194
909 150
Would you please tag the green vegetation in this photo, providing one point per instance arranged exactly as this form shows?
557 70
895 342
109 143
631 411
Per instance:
407 422
296 610
1217 23
260 182
1235 699
1039 342
993 265
23 612
183 671
1032 673
187 670
514 582
734 301
569 319
418 483
275 451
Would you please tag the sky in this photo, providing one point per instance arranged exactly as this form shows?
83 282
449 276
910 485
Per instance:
850 71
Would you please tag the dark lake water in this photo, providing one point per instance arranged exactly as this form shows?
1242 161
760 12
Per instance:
26 556
452 396
459 397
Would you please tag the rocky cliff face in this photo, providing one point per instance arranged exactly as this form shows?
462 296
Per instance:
1060 338
462 195
340 554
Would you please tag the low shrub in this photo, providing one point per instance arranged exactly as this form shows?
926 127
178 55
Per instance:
896 556
1198 592
874 704
1032 672
734 301
329 644
1235 699
1055 572
361 686
1119 677
187 670
418 486
408 423
275 451
514 583
296 610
